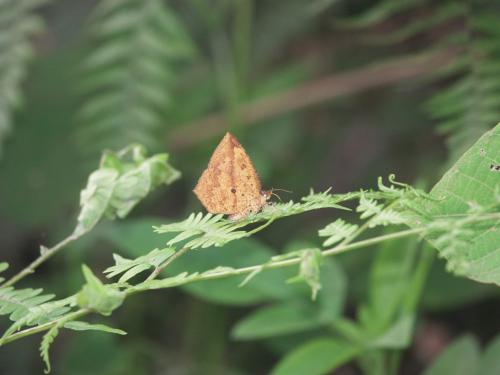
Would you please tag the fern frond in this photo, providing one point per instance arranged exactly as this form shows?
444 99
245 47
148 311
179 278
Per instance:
29 307
131 267
337 231
47 340
19 303
368 207
313 201
17 24
129 75
203 230
471 105
387 217
32 314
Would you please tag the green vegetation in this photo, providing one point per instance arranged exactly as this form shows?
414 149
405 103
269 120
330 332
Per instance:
367 275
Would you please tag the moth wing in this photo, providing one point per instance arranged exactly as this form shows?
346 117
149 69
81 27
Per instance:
214 186
247 185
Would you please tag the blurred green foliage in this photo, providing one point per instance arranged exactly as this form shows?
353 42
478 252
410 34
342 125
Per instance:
175 75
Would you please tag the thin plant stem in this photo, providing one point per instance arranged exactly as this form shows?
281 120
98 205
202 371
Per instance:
45 254
258 229
225 273
45 327
161 267
289 262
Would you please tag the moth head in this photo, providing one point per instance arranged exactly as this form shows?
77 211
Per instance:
267 194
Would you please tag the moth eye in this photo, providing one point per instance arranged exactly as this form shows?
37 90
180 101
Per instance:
233 190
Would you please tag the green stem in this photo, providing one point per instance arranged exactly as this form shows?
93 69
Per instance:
227 273
45 254
289 262
258 229
161 267
44 327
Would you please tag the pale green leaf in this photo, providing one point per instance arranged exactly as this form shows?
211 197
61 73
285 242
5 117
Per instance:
309 270
98 297
85 326
337 231
94 199
168 282
132 267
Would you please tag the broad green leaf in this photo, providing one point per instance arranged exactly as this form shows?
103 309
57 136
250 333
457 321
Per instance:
97 296
472 250
390 275
331 297
398 335
278 319
490 360
316 357
459 358
85 326
296 316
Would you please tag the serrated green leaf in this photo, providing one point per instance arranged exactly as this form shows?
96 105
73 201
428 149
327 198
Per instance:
473 248
85 326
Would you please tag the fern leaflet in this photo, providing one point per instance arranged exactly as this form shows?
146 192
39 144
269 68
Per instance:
130 72
17 24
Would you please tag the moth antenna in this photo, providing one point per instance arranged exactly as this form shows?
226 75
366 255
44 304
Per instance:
276 195
286 191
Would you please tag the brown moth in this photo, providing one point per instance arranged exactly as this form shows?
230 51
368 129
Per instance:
230 184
